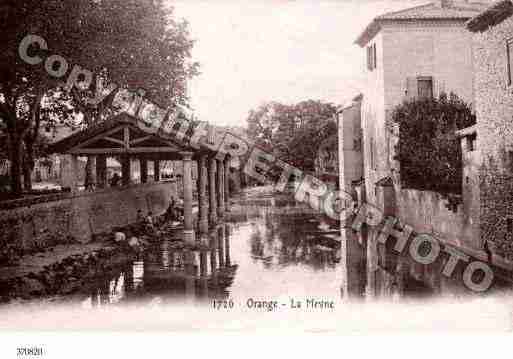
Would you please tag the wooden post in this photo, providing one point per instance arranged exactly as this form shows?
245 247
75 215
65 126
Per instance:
101 171
125 170
143 165
220 190
212 169
187 197
202 194
156 170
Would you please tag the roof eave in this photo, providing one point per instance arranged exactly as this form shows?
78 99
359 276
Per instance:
370 31
492 16
375 26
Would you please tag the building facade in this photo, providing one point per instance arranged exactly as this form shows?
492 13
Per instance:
350 139
417 52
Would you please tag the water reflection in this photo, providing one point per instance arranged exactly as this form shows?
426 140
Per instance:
260 244
168 272
269 249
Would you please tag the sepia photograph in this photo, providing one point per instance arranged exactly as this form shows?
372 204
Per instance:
266 166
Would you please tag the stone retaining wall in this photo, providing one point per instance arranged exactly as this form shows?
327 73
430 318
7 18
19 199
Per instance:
76 217
430 212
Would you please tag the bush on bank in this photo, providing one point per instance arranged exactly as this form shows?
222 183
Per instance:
428 150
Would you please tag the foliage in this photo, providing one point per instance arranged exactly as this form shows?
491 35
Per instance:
428 151
131 43
293 133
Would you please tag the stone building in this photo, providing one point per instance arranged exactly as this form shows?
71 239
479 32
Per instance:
493 134
351 144
422 51
350 175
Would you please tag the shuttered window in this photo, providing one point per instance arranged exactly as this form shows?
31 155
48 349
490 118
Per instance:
419 87
372 154
374 57
425 87
509 53
371 57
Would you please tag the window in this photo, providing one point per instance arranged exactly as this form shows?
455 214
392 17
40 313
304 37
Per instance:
425 86
371 57
509 53
369 60
372 154
471 142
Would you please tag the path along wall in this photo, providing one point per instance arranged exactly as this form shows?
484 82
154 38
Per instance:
68 217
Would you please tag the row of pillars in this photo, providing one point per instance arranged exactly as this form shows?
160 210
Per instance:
213 175
101 170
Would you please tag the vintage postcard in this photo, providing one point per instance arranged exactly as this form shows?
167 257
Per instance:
256 166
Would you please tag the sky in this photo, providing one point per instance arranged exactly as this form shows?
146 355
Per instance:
276 50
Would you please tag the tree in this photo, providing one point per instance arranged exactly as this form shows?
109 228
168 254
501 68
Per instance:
428 150
293 133
127 42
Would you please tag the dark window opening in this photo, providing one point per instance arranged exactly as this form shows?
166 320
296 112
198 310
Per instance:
509 225
371 57
425 86
471 142
509 54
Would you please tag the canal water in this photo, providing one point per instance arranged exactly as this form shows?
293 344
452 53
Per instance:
268 248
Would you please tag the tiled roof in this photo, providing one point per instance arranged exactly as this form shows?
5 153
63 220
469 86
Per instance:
492 16
432 12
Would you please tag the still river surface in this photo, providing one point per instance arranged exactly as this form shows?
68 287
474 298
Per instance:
269 248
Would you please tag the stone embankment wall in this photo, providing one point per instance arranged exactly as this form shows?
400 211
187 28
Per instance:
432 213
36 224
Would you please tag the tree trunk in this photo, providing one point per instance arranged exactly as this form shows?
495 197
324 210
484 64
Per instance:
16 158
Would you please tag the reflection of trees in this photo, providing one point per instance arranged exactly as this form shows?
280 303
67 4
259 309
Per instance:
291 239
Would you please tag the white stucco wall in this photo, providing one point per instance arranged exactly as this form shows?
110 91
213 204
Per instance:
442 50
373 115
350 146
